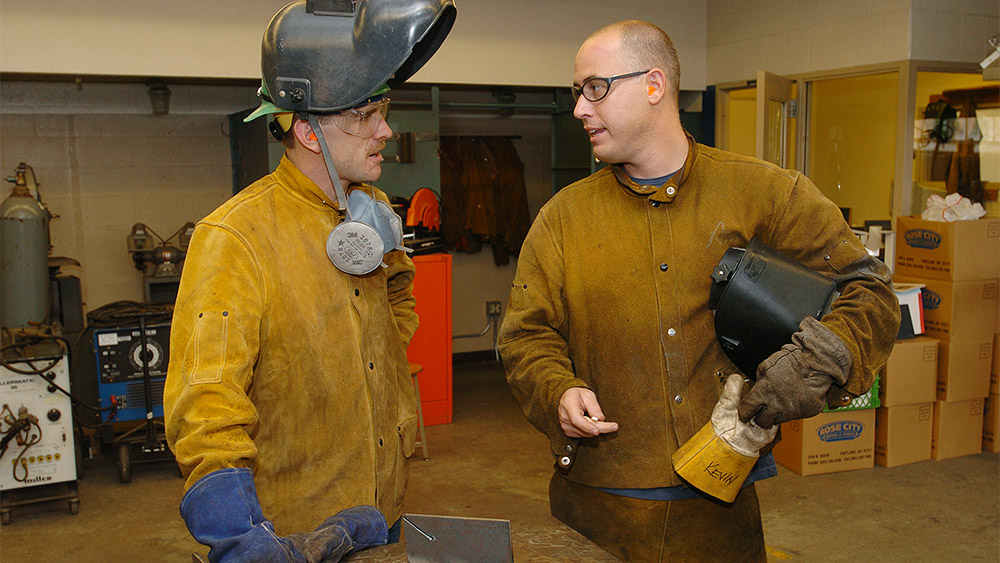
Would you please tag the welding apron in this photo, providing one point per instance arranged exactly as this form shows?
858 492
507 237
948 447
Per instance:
639 530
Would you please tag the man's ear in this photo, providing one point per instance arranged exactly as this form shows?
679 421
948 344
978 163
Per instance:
305 136
656 85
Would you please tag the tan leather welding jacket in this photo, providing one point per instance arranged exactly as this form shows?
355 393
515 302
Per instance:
282 363
611 293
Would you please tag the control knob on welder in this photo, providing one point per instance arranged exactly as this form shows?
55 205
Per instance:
54 415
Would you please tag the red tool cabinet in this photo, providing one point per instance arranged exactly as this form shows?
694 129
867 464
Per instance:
431 344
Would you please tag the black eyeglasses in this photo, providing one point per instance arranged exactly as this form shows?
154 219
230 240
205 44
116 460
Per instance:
596 88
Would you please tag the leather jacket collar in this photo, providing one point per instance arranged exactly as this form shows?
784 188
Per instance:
668 191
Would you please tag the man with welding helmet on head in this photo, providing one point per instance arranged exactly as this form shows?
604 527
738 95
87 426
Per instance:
608 340
288 403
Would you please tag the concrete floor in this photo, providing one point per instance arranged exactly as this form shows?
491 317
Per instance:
490 463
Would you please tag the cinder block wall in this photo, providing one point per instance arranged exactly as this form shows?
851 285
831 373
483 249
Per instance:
798 36
104 162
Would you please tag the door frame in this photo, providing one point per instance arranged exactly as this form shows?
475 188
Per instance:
907 70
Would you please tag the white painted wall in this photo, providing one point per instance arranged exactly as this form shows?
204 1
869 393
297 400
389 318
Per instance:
953 30
798 36
517 42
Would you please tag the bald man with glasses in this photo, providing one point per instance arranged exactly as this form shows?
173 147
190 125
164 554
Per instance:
608 340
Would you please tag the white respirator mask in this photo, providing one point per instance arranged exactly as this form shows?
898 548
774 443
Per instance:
370 230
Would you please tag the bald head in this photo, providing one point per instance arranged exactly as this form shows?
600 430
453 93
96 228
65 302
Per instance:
644 46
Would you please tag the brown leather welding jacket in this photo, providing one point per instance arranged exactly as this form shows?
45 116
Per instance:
611 293
282 363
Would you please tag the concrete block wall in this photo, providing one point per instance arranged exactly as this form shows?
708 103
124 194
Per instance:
953 30
798 36
104 162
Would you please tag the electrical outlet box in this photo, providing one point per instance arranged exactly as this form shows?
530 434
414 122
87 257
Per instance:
492 308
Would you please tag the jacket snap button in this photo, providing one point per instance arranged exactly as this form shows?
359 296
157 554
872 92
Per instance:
664 267
564 460
671 190
678 399
569 447
371 365
656 204
672 332
357 292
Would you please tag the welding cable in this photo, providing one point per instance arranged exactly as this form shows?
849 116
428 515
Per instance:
78 403
40 372
16 426
33 340
127 313
28 443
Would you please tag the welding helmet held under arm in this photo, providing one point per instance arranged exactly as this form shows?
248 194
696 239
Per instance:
759 297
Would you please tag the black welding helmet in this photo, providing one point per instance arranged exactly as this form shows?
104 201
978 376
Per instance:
322 56
759 297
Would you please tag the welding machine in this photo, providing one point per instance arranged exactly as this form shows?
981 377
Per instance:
131 370
120 369
39 447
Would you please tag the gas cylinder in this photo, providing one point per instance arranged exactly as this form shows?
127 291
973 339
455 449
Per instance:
24 249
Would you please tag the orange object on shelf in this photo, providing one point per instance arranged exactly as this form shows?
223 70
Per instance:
424 211
431 344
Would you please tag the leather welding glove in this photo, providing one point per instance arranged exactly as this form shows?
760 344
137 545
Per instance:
222 511
718 459
793 382
747 437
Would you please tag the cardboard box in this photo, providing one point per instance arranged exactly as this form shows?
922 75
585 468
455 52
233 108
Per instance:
991 424
903 434
958 429
963 370
911 309
910 374
995 370
964 310
958 251
828 442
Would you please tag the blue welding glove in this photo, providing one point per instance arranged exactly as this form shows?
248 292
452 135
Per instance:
221 511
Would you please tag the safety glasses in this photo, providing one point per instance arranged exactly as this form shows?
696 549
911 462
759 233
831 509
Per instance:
362 122
596 88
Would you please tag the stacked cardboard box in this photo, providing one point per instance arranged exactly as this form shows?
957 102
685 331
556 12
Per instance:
959 265
908 389
828 442
835 440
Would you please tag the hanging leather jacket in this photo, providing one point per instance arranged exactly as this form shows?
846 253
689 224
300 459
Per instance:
483 196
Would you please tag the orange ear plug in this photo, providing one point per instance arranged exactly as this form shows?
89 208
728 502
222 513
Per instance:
651 90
